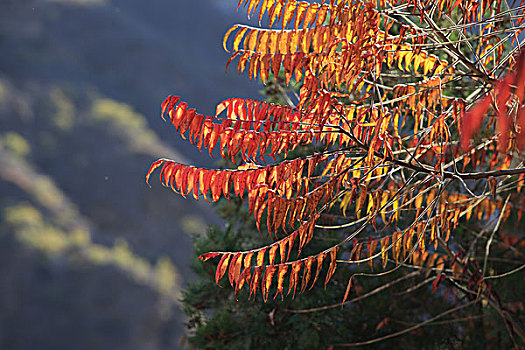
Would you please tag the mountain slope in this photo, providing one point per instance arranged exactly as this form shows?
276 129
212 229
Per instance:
91 256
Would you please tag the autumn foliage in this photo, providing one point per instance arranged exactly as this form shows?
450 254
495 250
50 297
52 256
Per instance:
414 115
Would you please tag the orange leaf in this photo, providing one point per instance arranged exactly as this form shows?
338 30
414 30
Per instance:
271 253
245 276
226 36
273 43
289 12
333 264
275 12
348 287
221 268
248 259
397 241
291 240
282 249
321 14
372 246
283 268
307 272
235 268
320 259
383 323
267 281
384 250
264 6
260 257
310 15
299 16
255 280
262 42
294 275
252 7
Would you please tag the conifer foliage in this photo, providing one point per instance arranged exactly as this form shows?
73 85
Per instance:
415 114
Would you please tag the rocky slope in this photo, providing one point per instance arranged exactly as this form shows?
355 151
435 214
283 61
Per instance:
91 257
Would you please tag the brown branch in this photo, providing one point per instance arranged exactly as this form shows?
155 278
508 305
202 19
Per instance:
361 297
407 330
454 50
446 174
487 174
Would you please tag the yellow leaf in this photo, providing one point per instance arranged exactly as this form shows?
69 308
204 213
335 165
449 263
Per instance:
226 37
395 206
384 250
252 41
238 38
370 204
384 200
252 6
276 12
289 11
346 202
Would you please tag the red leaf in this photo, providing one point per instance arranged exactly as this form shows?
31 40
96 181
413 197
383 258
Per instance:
520 122
437 281
207 256
276 64
168 104
520 77
196 177
472 120
178 115
226 184
152 168
504 90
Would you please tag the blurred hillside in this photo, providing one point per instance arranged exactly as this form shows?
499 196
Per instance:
90 256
